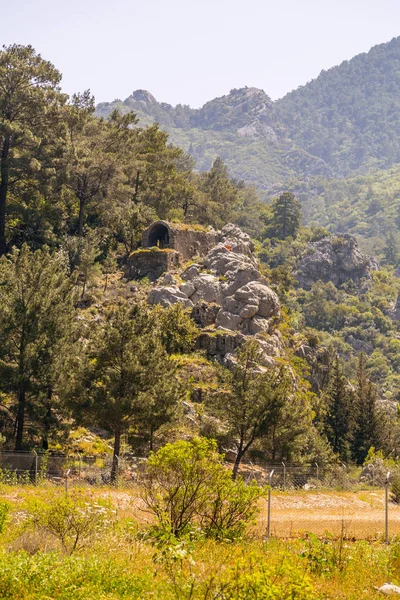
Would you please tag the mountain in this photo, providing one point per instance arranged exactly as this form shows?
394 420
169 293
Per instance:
335 142
241 127
346 120
349 116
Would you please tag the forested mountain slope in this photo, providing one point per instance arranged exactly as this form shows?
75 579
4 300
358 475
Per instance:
240 127
349 115
345 120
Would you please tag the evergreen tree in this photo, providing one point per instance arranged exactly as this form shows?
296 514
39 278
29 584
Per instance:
36 314
366 415
128 378
286 216
249 401
338 424
30 99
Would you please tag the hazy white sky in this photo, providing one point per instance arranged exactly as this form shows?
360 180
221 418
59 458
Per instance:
191 51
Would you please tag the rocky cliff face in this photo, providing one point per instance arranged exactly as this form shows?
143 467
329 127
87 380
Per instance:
337 259
228 296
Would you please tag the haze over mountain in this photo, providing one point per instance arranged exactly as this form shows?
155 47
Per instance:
345 121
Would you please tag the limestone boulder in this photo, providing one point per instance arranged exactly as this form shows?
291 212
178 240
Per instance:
168 295
337 259
239 241
228 320
190 272
207 287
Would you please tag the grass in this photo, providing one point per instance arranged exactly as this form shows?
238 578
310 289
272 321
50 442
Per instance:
123 561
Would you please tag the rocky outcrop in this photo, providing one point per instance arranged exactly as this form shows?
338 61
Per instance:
168 295
337 259
228 278
226 292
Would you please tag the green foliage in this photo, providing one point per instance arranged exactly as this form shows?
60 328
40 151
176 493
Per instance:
72 520
186 485
253 402
128 376
286 217
36 321
4 510
30 100
249 579
177 330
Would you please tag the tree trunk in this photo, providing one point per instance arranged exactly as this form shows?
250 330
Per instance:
20 417
3 193
81 219
136 187
117 448
151 438
239 457
47 421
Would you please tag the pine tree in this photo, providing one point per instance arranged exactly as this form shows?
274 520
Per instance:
366 415
36 315
129 379
338 424
30 100
286 219
250 402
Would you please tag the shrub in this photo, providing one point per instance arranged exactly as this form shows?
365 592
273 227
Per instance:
72 520
231 507
4 510
185 484
250 579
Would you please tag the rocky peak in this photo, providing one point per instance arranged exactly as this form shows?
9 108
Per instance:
142 96
337 259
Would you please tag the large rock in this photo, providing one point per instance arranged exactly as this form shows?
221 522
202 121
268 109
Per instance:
249 309
168 295
238 241
204 313
337 259
207 287
226 290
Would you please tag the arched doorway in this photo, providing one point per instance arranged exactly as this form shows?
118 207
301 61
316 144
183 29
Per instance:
159 236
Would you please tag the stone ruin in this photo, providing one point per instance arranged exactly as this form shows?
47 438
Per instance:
165 246
228 296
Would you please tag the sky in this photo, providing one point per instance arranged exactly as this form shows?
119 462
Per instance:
191 51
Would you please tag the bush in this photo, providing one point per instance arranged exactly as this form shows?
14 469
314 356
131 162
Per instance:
185 485
72 520
250 579
4 510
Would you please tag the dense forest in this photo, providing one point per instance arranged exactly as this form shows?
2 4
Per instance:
83 352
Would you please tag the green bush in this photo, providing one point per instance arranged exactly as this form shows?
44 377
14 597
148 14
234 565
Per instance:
186 485
250 579
4 510
72 520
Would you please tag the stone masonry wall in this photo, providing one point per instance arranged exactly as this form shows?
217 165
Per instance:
151 263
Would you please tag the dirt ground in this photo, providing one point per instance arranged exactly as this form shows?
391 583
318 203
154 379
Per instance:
356 515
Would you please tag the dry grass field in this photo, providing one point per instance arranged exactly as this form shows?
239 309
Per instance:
354 515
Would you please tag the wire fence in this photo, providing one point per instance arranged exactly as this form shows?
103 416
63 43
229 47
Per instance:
32 467
325 500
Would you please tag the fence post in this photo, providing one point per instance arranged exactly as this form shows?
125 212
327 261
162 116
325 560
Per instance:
387 507
284 476
66 481
36 466
269 506
316 464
